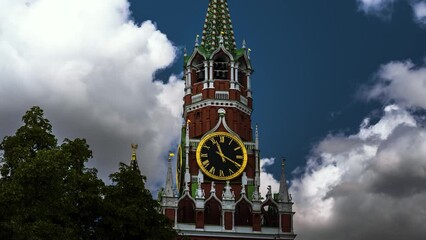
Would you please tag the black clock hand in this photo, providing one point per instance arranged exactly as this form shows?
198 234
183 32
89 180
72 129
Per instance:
227 158
220 151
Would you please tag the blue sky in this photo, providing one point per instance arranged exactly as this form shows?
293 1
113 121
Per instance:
310 58
335 93
339 90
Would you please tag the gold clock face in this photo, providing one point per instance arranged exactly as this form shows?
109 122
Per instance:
221 156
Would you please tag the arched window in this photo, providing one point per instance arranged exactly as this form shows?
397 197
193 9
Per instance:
212 212
242 73
243 214
186 211
270 216
221 67
198 68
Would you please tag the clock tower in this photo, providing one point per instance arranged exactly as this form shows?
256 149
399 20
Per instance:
218 160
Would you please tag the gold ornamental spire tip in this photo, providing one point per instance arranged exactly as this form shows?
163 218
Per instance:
134 148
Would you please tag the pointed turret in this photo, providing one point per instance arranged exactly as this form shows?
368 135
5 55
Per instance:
283 194
168 191
218 27
134 162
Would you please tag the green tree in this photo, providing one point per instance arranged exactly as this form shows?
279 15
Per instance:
46 192
130 212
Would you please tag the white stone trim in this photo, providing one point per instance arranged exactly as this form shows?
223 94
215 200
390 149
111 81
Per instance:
221 95
243 100
240 232
218 103
196 98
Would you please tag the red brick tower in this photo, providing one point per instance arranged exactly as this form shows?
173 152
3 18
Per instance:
218 175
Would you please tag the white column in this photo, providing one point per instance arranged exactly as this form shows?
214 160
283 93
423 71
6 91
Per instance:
206 66
236 85
236 72
211 83
211 70
232 71
188 81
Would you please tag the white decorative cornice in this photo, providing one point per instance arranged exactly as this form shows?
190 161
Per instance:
218 103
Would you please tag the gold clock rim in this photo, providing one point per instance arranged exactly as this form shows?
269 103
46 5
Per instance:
235 138
180 166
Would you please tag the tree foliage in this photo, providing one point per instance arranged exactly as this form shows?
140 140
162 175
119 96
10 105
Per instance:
136 215
47 192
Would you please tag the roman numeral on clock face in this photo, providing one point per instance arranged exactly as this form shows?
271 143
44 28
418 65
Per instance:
212 170
206 163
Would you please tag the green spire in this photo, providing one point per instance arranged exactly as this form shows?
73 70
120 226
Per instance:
218 27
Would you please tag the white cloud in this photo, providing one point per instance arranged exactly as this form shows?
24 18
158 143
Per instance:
419 9
402 82
384 8
267 179
374 180
91 69
375 6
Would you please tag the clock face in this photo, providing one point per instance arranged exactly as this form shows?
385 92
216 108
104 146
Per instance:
221 156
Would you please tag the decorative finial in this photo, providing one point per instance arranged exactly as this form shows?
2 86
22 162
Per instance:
169 179
200 192
134 147
248 53
212 189
221 38
196 40
283 193
243 189
269 194
244 179
134 162
244 44
171 155
221 112
228 194
256 136
184 52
